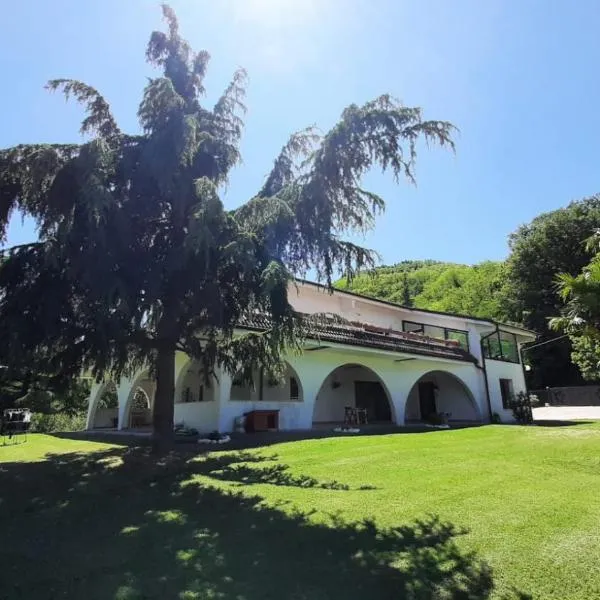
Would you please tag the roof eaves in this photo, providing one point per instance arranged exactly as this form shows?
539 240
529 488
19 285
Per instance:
394 304
413 309
370 340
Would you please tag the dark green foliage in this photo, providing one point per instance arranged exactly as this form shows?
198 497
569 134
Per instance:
27 388
57 422
581 313
522 291
137 257
552 243
521 408
109 398
586 355
406 297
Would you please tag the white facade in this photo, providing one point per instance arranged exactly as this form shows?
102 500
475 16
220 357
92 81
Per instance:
329 376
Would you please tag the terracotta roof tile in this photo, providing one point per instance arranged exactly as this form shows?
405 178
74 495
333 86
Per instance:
369 336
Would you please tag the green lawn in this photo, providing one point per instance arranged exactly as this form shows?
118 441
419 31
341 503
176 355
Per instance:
493 512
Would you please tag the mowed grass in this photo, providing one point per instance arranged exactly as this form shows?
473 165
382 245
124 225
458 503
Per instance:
492 512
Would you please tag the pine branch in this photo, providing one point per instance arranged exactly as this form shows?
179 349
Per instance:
99 119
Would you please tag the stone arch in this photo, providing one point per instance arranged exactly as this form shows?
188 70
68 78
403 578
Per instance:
142 417
103 411
441 392
355 385
288 390
191 385
141 399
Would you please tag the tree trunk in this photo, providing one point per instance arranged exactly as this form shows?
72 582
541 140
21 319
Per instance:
162 416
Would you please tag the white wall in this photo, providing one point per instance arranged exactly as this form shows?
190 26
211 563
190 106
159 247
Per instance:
452 397
203 416
331 401
312 299
279 393
397 378
234 401
496 370
104 417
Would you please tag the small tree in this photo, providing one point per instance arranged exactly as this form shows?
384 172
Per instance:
581 314
520 405
406 297
550 244
138 258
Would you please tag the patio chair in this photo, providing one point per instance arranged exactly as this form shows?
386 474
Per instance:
350 415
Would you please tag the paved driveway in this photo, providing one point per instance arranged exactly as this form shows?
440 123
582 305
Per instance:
566 413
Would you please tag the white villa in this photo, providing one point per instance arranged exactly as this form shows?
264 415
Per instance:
399 364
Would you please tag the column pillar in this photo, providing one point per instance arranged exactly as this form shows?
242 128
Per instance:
124 392
95 394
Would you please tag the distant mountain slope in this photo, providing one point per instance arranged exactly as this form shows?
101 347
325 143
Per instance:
475 290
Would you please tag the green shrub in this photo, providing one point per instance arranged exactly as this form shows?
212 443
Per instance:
496 418
41 423
521 408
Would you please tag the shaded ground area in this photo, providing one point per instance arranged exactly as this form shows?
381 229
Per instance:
243 441
399 516
566 413
109 525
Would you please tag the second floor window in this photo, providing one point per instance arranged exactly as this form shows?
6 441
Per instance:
501 345
440 333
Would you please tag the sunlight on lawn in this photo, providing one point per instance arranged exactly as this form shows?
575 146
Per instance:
493 512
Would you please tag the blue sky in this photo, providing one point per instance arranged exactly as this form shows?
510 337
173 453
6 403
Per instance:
519 78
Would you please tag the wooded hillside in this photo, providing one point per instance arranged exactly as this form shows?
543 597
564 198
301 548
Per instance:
475 290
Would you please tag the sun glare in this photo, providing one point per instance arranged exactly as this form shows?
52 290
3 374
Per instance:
276 13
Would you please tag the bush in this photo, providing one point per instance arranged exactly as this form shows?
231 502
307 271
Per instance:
41 423
521 408
496 418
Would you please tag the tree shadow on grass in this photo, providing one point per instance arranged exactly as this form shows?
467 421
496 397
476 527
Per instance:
119 525
247 468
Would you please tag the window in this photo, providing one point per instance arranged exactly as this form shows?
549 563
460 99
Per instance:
501 345
412 327
434 332
508 343
462 337
440 333
506 389
294 389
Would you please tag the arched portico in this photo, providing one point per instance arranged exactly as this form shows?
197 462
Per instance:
139 402
356 386
262 389
437 392
103 408
192 385
285 395
196 398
